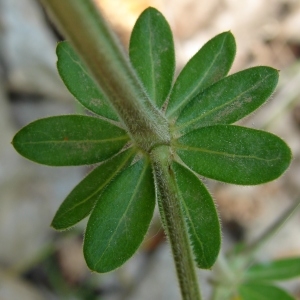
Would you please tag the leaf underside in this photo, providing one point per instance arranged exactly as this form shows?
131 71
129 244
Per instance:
229 100
80 202
234 154
69 140
119 195
201 217
120 219
210 64
80 83
151 52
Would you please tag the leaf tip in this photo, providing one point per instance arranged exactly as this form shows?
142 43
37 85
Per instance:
53 226
56 226
60 224
230 35
228 32
150 10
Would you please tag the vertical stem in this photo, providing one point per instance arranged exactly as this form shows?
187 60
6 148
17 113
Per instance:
83 25
95 42
174 223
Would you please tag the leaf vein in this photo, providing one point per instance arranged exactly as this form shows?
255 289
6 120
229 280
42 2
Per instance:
153 87
181 126
99 188
193 228
123 216
232 155
183 102
76 141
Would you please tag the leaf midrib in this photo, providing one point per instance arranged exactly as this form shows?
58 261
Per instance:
100 187
75 141
83 69
189 123
193 228
124 214
226 154
153 85
183 102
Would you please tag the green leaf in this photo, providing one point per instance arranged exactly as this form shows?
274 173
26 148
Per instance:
229 100
201 217
234 154
152 55
263 292
275 270
80 83
80 202
69 140
211 63
120 219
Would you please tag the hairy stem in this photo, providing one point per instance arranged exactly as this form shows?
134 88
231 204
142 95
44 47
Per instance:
93 39
95 42
174 223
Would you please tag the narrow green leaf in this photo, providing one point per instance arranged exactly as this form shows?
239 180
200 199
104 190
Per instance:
79 82
234 154
263 292
201 217
120 219
69 140
80 202
211 63
275 270
229 100
152 55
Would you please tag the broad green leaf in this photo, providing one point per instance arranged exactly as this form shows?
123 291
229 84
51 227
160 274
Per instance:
120 219
151 52
234 154
211 63
69 140
201 217
229 100
263 292
80 202
79 82
275 270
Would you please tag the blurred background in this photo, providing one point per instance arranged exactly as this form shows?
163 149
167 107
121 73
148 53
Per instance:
38 263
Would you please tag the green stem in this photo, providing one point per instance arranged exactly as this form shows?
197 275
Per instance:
93 39
95 42
174 223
